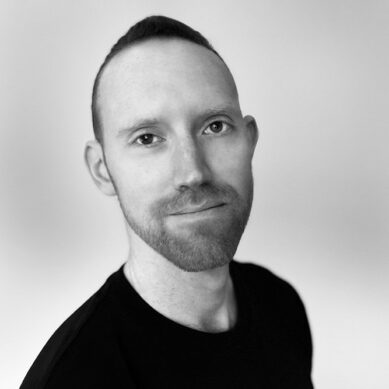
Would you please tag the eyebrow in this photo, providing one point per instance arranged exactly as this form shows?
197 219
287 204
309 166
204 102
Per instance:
138 124
226 110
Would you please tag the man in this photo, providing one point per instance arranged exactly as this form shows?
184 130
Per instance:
172 145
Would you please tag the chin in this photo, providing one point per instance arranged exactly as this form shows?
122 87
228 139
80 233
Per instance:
199 254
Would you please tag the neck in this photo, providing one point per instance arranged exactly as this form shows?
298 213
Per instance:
201 300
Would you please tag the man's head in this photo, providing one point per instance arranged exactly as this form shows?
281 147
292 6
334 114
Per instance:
172 144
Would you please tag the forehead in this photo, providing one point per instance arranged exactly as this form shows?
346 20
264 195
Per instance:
162 77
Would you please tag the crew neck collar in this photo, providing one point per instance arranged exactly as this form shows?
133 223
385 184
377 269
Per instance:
133 304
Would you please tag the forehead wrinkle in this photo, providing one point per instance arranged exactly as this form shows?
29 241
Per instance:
202 114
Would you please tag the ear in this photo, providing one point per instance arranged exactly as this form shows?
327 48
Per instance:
252 129
94 159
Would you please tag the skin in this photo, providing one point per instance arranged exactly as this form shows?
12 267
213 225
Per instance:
177 153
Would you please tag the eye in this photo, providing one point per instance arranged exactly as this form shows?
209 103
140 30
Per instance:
217 127
148 139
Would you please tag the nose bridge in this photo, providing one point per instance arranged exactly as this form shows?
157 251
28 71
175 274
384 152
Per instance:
190 166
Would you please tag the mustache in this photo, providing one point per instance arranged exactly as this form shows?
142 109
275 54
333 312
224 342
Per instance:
195 196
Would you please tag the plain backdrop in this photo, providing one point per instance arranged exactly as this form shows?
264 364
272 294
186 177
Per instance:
313 73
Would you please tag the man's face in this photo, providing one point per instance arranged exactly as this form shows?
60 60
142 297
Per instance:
178 150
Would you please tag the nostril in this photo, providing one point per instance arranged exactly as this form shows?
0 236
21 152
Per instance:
191 174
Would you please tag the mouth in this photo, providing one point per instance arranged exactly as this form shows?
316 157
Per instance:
198 209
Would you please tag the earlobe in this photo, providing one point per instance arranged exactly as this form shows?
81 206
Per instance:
94 159
251 126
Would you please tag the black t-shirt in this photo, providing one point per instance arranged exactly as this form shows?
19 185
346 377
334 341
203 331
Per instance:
116 340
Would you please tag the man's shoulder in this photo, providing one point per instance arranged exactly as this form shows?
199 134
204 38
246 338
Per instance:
82 330
280 314
261 278
280 306
268 288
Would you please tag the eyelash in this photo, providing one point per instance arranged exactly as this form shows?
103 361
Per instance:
225 127
147 145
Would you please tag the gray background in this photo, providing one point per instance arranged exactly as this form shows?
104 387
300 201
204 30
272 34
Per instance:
313 73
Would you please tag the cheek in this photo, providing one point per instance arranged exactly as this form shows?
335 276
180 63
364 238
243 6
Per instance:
231 163
139 184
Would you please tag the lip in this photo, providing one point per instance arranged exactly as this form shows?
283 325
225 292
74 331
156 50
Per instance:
197 209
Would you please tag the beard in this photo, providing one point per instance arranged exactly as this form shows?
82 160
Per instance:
207 244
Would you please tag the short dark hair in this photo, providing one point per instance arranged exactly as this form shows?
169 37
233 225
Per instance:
147 28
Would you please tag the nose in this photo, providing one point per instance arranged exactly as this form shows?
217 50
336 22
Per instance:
190 165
